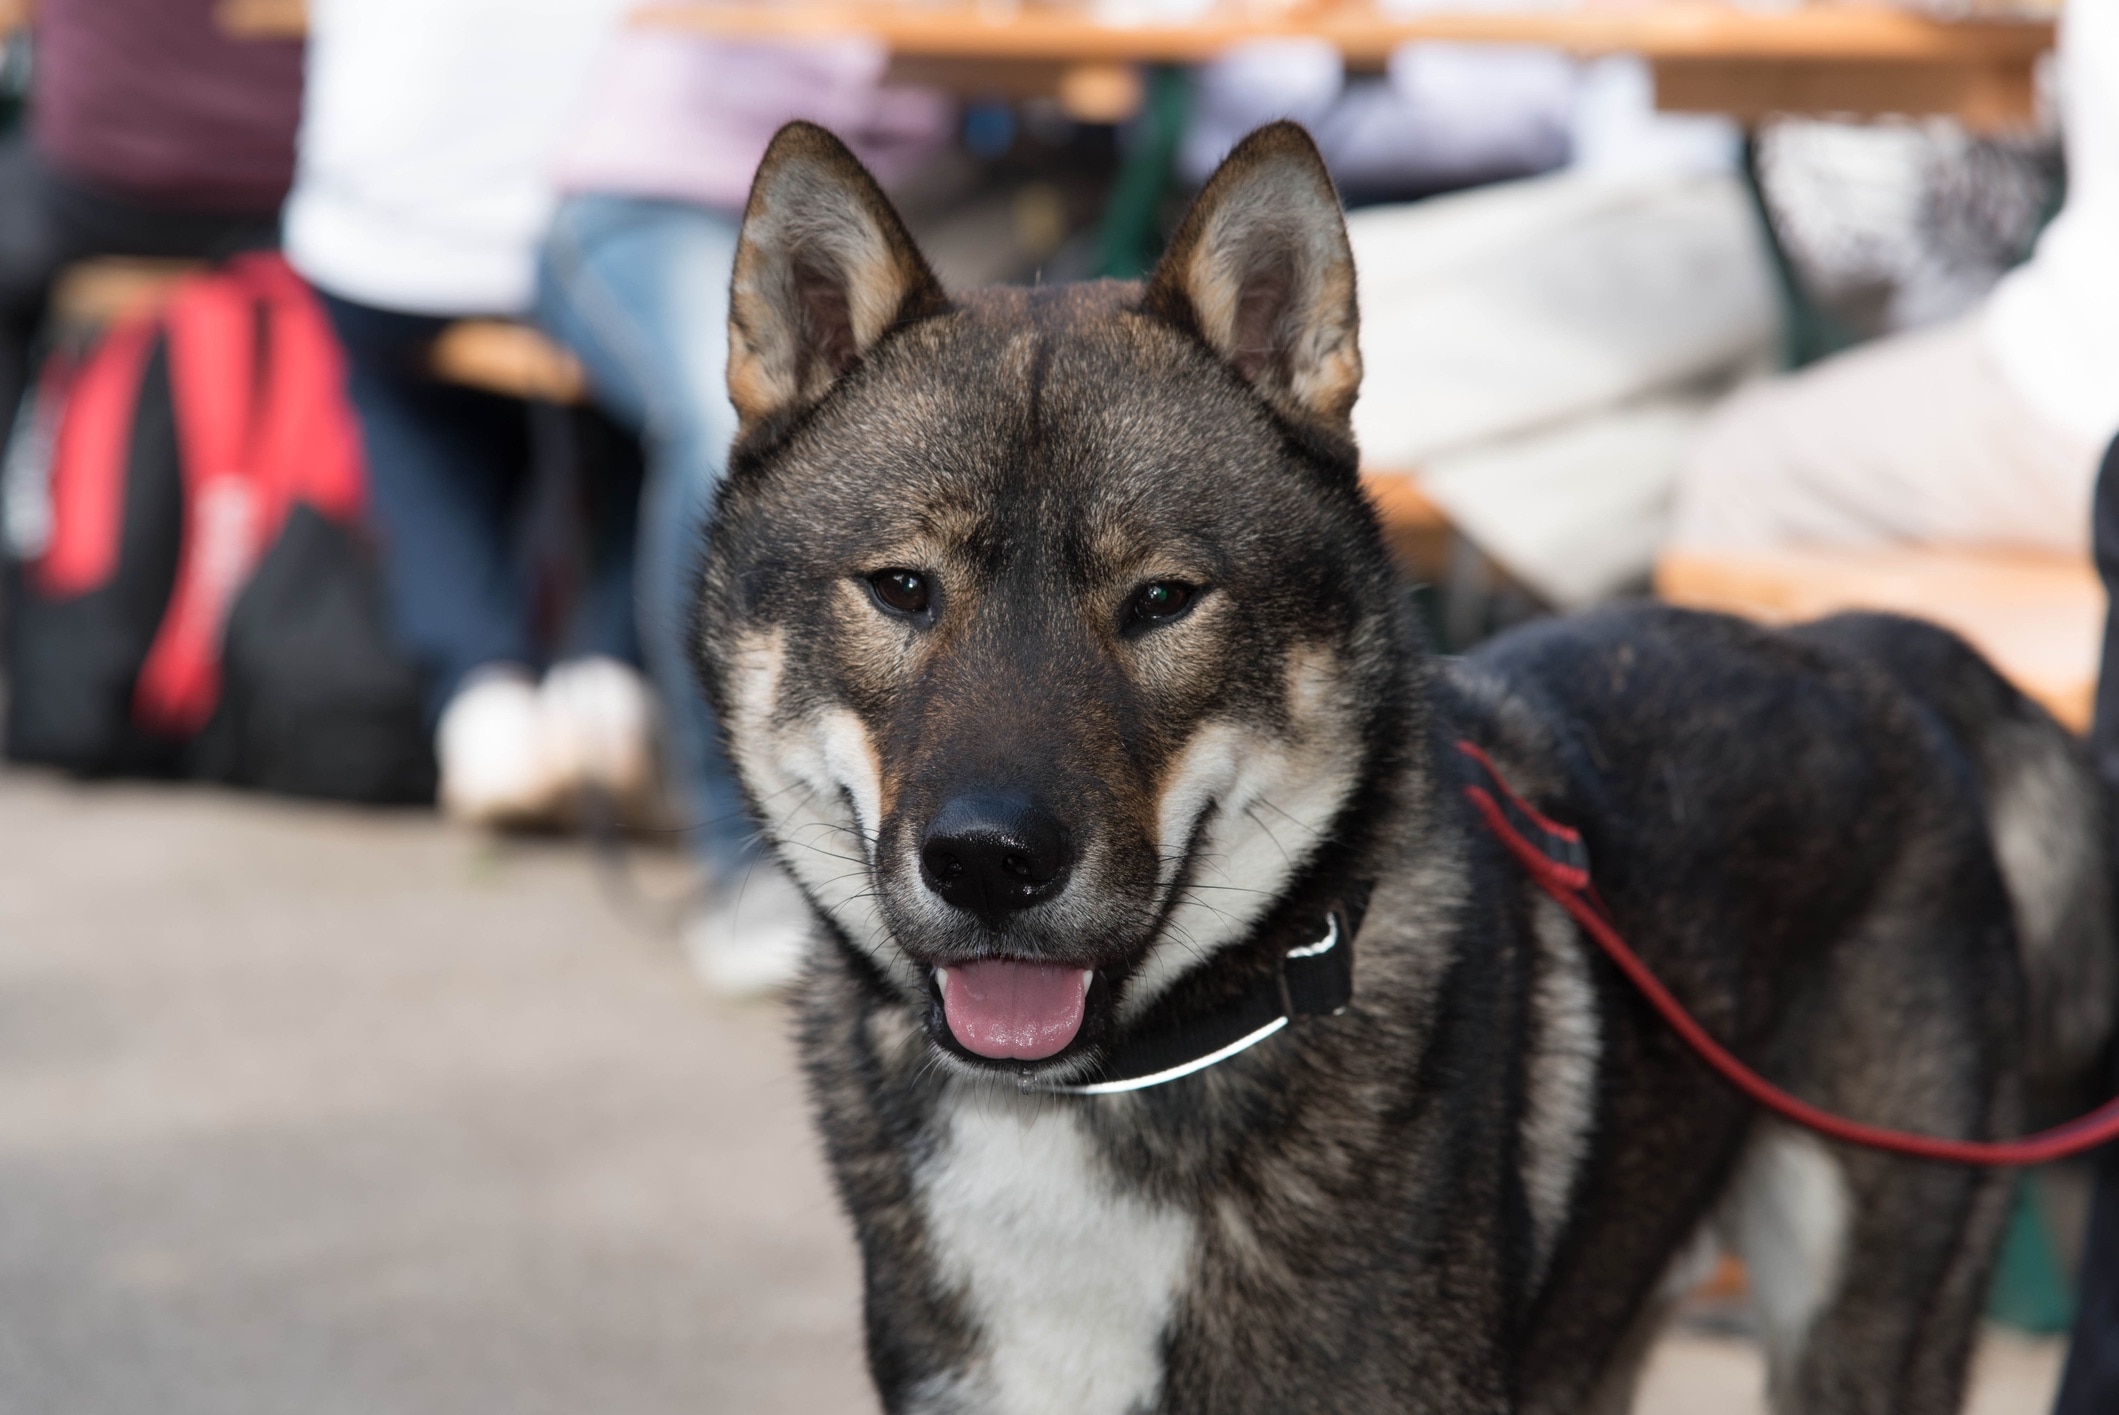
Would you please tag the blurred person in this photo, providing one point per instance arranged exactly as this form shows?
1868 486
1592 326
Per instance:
423 185
1539 349
1443 116
635 278
151 133
1985 430
2089 1384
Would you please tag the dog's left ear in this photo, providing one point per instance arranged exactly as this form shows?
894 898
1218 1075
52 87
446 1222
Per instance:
1261 271
824 269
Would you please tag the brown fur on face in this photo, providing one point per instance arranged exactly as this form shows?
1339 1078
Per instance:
1023 451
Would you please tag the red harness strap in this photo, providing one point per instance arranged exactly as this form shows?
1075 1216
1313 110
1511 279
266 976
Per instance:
1560 866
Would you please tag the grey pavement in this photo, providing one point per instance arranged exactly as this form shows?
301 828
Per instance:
307 1109
319 1110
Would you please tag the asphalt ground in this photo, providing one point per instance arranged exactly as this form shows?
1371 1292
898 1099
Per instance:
320 1110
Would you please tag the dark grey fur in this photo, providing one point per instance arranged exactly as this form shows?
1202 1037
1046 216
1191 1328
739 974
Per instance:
1471 1191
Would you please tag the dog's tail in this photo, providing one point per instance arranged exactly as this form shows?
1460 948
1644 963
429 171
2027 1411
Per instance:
2050 818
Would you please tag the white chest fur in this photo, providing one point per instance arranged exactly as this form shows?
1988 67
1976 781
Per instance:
1068 1279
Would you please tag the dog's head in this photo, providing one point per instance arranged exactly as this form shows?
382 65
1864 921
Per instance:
1049 628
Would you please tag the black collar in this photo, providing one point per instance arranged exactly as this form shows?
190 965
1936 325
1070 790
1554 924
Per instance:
1315 979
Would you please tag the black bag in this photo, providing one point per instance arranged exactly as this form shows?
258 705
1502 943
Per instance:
189 586
85 604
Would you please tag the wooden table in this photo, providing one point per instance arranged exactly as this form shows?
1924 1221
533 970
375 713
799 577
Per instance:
2038 616
1707 57
262 19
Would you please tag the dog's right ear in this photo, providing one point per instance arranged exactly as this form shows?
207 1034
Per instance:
1261 272
824 268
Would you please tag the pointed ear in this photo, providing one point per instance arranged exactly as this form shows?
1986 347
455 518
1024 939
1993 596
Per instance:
1261 272
824 268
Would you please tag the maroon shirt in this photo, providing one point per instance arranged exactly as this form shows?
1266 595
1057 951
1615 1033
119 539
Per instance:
151 98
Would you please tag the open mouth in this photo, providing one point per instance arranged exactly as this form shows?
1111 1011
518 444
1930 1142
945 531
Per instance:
1005 1009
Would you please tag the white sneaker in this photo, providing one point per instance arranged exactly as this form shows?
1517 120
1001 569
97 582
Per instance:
598 731
750 937
488 745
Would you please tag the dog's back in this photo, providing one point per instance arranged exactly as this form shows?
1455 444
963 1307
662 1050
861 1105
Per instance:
1836 842
2048 816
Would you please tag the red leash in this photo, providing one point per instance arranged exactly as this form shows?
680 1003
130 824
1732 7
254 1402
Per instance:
1561 869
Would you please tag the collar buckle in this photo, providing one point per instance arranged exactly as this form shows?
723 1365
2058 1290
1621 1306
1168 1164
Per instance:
1314 979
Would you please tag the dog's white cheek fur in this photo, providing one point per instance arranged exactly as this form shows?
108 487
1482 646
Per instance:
1069 1281
1274 796
803 772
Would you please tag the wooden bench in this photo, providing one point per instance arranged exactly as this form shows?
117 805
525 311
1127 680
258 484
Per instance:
91 294
514 360
498 356
1418 531
2038 617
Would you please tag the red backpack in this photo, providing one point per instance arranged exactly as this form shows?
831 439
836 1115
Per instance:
191 591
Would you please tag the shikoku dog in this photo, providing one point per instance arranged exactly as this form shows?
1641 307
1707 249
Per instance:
1067 672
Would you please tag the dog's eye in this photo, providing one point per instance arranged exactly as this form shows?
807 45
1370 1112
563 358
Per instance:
1160 602
902 591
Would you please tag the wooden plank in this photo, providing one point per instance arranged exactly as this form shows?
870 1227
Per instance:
263 19
90 294
1400 502
2038 617
1417 531
1989 96
510 359
1695 29
1088 92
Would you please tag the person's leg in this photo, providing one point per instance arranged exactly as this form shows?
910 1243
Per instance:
1914 439
2090 1385
609 479
639 289
596 711
445 467
2104 533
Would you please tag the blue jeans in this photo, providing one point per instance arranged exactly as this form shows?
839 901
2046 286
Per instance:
451 479
638 288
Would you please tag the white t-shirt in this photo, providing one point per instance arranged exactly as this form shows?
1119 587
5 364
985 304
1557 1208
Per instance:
429 129
2053 323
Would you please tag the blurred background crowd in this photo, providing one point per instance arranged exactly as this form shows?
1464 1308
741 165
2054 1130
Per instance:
361 363
1579 313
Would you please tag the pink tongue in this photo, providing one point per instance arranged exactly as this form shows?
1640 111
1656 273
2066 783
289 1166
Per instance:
1003 1009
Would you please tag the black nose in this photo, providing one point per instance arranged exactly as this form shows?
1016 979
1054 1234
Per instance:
992 855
